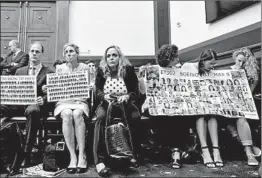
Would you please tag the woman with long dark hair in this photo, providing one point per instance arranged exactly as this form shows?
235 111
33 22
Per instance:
203 65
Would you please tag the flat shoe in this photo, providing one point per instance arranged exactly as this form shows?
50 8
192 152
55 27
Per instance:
104 172
134 163
71 170
256 151
251 160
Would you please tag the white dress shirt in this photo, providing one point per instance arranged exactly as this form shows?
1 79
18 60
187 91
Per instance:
37 69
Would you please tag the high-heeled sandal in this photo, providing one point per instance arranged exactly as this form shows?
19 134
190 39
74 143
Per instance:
176 157
210 164
217 163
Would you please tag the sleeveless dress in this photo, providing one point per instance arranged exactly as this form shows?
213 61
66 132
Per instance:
72 103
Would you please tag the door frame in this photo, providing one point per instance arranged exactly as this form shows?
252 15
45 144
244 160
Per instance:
62 27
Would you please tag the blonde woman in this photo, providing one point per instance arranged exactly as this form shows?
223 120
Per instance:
115 77
73 113
244 59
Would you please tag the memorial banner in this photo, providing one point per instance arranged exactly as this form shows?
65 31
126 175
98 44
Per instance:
18 90
180 92
63 86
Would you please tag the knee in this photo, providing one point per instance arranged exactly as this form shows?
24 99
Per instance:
66 115
78 116
100 113
135 115
242 121
77 113
32 109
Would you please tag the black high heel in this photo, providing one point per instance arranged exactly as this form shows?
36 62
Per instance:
217 163
81 170
71 170
207 164
176 157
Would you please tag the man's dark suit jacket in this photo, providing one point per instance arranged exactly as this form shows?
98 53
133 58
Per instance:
41 79
21 59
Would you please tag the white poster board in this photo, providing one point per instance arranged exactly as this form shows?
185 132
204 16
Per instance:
18 90
180 92
64 86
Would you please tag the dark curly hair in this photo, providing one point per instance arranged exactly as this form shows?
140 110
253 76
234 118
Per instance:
206 55
58 62
167 53
90 61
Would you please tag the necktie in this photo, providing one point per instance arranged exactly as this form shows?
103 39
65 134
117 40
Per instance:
32 70
14 55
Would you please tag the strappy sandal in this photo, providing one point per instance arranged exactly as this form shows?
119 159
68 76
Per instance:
217 163
210 164
176 156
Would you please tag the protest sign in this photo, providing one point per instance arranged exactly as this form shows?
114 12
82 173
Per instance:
64 86
181 92
18 90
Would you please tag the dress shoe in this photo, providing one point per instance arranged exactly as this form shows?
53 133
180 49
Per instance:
26 162
71 170
13 172
104 172
134 163
81 170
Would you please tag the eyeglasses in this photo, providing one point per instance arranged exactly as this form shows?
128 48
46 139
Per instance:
35 51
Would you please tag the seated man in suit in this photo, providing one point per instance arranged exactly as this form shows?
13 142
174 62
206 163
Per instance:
14 60
32 113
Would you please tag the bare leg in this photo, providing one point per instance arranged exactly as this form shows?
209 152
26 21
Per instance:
246 139
212 127
201 130
80 131
69 135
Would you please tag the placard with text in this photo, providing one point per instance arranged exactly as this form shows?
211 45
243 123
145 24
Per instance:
18 90
66 86
180 92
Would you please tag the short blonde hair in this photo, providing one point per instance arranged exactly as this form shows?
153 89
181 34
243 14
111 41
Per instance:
76 48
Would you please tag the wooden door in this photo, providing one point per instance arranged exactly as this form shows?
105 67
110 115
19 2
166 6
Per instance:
40 26
11 21
29 22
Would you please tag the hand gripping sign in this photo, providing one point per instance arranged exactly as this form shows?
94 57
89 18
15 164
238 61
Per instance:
181 92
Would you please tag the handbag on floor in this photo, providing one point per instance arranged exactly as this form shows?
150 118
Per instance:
117 134
55 157
11 141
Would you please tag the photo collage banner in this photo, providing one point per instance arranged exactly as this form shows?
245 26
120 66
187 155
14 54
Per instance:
18 90
180 92
64 86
